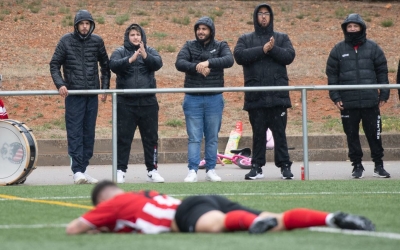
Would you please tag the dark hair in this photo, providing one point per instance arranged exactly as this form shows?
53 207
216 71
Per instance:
135 27
100 187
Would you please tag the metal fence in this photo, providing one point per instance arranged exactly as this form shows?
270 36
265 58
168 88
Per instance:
115 92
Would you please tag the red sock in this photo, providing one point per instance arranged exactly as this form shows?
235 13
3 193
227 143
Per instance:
301 218
239 220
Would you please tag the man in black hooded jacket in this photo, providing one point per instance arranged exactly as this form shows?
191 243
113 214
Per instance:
135 64
359 61
264 55
79 53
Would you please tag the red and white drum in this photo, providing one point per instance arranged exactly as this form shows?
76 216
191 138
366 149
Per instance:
18 152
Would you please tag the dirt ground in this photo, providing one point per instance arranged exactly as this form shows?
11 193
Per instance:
30 30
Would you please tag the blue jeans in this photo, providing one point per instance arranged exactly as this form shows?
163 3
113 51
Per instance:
203 115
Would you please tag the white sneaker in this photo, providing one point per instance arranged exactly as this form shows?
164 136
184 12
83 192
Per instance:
191 177
212 176
90 179
120 176
80 178
154 176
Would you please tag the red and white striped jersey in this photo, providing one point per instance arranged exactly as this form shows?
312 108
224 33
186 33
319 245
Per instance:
146 212
3 112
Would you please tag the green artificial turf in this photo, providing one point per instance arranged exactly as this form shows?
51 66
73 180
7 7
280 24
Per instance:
378 200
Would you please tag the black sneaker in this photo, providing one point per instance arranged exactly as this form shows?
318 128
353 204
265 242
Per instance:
352 222
286 173
261 225
358 170
379 171
255 173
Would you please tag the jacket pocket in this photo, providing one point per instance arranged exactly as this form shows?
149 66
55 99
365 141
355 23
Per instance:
281 80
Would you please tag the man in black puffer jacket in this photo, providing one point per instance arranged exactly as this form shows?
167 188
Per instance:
359 61
79 53
264 55
135 64
203 60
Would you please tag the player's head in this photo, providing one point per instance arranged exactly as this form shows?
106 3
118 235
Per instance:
104 190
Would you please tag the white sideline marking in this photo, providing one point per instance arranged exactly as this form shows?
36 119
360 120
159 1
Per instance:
387 235
227 194
288 194
32 226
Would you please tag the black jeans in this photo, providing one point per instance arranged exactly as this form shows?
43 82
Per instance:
128 118
275 119
372 125
80 122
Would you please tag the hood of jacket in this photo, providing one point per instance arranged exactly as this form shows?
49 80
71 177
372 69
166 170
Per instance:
354 37
130 46
205 20
258 29
83 15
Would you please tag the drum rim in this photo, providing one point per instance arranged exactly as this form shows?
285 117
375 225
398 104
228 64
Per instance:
30 147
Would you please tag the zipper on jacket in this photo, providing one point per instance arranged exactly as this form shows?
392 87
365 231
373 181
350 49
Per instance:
358 71
83 63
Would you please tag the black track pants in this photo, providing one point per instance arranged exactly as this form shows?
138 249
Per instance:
372 125
275 119
128 118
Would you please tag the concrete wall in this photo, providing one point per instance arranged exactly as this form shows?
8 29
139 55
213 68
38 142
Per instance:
174 150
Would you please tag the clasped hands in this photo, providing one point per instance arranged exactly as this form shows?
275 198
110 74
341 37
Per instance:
141 51
269 45
203 68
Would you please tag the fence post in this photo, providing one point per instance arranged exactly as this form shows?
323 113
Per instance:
305 132
114 137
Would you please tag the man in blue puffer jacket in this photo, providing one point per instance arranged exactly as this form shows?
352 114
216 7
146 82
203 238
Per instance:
359 61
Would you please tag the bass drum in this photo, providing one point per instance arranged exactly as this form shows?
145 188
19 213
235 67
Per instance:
18 152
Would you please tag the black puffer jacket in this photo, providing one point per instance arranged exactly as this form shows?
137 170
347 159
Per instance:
136 75
349 66
79 57
193 52
262 69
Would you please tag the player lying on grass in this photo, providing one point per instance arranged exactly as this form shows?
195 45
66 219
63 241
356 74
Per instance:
150 212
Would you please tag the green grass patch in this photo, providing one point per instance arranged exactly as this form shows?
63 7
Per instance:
67 21
378 200
159 35
191 10
100 20
111 4
390 123
141 13
342 12
184 20
35 6
387 23
5 11
216 12
144 23
121 19
174 123
167 48
64 10
111 12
